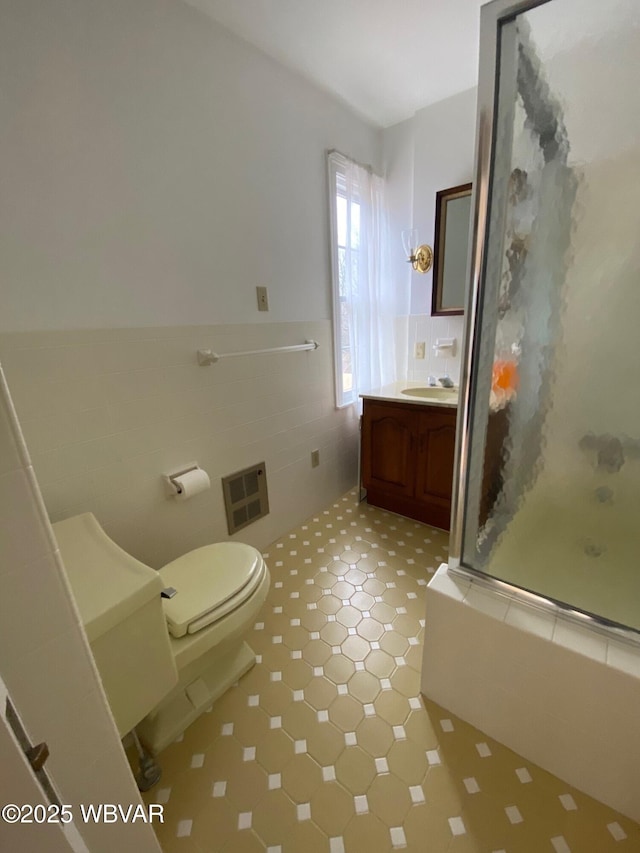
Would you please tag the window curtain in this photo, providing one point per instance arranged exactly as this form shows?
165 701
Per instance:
368 286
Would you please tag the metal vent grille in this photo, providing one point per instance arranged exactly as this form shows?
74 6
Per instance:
245 496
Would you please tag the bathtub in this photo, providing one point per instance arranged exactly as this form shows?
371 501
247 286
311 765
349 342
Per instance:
573 540
559 689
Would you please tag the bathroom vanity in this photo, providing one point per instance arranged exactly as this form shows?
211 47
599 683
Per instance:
407 450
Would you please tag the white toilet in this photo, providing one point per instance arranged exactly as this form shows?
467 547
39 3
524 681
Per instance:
163 660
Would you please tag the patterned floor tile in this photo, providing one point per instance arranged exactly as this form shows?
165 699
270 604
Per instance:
327 745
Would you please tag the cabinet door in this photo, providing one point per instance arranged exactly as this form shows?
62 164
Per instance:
434 484
388 448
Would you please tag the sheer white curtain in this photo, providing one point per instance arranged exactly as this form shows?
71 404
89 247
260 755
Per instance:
364 300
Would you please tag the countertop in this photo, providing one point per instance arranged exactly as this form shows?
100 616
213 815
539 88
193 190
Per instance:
393 394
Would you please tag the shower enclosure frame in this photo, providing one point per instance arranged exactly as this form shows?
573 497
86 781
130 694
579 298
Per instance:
492 18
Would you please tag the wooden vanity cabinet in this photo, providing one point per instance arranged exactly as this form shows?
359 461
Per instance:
407 454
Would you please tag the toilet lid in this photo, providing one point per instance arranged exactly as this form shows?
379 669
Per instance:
210 582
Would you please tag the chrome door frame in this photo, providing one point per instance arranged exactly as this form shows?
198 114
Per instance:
492 16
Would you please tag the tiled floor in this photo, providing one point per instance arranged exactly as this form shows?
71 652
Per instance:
327 745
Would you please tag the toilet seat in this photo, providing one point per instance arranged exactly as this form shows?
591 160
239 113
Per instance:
211 582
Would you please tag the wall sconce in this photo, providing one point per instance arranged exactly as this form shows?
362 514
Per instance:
419 256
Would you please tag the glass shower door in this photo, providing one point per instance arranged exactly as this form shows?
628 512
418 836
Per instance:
549 495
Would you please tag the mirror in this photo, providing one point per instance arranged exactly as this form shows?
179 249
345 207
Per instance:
453 210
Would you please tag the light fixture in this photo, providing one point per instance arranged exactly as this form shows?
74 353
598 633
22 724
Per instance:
419 256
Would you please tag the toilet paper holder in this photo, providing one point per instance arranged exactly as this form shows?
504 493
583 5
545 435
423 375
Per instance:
172 488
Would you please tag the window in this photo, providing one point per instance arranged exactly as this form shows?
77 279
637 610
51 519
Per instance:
362 321
345 251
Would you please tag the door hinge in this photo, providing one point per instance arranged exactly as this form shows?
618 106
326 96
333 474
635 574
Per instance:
37 755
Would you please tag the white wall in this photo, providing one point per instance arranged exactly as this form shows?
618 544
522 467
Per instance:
106 412
399 149
156 169
398 171
445 136
430 152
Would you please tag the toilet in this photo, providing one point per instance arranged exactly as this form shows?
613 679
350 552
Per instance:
166 643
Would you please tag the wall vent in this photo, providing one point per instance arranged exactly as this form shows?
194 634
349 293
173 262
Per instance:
245 496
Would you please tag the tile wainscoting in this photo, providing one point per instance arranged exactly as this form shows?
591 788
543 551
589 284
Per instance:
106 412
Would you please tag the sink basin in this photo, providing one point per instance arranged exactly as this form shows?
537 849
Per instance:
442 395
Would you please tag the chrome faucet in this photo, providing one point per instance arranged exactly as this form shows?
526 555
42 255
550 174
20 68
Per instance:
446 381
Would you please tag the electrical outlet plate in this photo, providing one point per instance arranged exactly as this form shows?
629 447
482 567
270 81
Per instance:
419 349
315 458
263 298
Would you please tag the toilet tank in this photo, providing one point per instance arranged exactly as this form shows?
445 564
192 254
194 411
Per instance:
121 608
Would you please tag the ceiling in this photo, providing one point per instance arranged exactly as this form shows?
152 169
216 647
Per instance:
385 59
